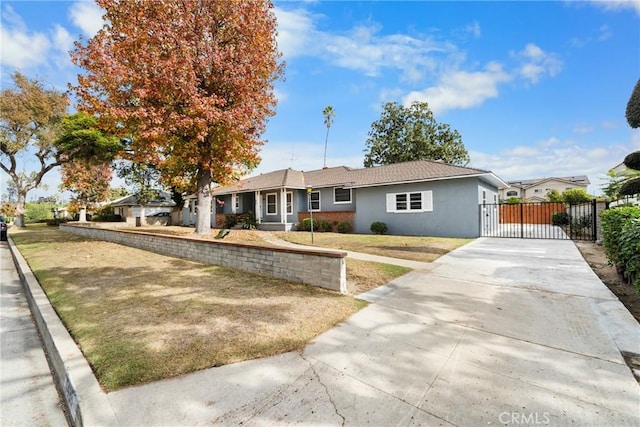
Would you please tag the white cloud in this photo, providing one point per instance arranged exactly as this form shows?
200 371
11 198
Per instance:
582 129
536 63
461 89
87 16
365 49
295 28
618 5
280 95
21 48
474 29
604 33
554 157
362 48
63 44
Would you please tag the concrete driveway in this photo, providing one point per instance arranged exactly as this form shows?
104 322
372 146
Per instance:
499 332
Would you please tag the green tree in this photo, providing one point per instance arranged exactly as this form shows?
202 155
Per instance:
554 196
88 173
576 196
117 193
633 107
30 122
39 212
631 186
328 114
192 80
411 133
141 177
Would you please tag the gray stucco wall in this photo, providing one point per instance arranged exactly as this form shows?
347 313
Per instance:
455 209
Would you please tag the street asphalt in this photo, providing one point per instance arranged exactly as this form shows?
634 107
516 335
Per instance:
497 332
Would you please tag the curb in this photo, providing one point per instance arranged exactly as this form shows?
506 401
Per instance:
85 401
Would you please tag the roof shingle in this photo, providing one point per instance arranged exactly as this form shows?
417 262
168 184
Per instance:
418 170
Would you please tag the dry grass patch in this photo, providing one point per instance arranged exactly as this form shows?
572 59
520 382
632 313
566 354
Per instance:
363 276
140 316
416 248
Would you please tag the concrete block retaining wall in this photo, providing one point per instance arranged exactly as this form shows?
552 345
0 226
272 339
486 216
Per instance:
326 269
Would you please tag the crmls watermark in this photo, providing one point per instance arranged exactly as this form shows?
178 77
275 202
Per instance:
524 418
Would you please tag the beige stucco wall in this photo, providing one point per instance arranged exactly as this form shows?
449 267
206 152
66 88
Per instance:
540 190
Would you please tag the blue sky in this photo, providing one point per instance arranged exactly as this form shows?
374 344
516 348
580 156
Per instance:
536 89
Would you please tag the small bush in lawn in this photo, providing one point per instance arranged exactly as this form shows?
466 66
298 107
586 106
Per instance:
343 227
248 220
105 218
325 226
560 218
378 227
230 221
305 225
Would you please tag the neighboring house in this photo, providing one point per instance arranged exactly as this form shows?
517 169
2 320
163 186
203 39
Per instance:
621 170
129 209
413 198
535 190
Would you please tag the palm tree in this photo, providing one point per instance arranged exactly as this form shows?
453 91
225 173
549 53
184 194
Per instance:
328 114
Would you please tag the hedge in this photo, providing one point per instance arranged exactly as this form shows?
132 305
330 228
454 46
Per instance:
621 240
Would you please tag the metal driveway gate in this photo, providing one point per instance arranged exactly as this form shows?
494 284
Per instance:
545 220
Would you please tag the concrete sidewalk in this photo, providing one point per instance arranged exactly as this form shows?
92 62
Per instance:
28 396
500 331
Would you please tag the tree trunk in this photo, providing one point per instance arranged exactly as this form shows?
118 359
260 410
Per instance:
83 214
203 214
20 209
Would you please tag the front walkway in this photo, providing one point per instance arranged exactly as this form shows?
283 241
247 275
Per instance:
499 332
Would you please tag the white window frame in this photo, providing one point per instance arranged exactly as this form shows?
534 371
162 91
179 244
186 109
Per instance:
341 203
426 202
275 203
289 203
512 193
310 201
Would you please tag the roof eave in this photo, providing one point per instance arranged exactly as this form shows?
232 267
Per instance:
489 176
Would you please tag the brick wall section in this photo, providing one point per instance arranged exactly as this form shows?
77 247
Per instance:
314 267
221 220
334 217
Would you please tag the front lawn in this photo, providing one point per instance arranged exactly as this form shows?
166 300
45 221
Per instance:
416 248
140 316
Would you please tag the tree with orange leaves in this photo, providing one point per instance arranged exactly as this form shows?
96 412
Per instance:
89 181
189 82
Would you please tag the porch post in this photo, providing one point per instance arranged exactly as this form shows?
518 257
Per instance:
233 203
283 206
258 207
